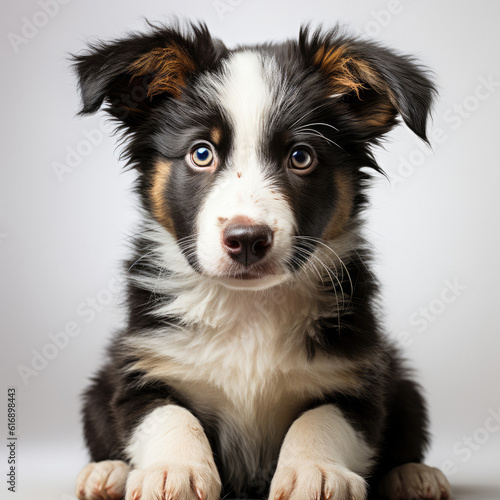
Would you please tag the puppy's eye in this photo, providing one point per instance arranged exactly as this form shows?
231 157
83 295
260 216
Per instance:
301 159
202 156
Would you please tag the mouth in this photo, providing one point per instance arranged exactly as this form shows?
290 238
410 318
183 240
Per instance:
250 272
249 282
254 277
245 276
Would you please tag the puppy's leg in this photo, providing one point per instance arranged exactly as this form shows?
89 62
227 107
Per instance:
172 458
102 480
322 457
401 474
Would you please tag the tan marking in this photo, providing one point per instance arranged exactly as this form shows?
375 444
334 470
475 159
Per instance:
335 65
380 115
169 66
157 195
347 72
215 136
342 213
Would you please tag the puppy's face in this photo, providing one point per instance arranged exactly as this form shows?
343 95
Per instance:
247 170
250 159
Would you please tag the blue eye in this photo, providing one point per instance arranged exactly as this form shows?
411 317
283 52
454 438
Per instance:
202 156
301 159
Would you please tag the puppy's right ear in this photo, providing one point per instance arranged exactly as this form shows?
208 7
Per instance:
137 72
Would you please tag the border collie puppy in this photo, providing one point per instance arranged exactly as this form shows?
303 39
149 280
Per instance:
253 363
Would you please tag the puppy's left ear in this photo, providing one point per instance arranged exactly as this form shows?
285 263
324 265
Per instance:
373 83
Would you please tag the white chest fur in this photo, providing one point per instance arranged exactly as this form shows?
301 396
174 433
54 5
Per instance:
241 359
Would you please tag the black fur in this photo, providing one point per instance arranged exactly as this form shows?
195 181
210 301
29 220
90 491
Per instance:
389 409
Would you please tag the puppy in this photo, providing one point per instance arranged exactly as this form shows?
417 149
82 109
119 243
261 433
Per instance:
253 364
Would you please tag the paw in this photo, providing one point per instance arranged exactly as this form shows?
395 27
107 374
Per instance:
102 480
173 482
317 482
415 481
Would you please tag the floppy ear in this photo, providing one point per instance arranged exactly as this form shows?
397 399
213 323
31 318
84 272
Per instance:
136 72
376 84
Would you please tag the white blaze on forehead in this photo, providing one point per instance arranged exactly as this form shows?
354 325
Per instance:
246 94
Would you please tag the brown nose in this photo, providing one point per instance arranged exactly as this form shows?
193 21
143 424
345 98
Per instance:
247 243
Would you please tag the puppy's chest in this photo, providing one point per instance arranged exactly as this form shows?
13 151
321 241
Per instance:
247 373
251 377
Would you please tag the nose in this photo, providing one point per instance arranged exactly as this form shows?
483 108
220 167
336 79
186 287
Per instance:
247 243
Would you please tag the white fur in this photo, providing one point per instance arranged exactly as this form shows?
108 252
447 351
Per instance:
102 480
240 354
323 435
322 455
246 94
168 433
171 457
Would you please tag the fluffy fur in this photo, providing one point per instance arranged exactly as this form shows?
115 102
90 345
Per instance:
263 378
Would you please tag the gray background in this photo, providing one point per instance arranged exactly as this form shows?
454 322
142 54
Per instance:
62 237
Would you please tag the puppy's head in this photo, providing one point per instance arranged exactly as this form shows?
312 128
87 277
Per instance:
250 158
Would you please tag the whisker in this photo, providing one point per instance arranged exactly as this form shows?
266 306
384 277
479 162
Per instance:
323 104
319 134
321 124
140 258
329 273
321 242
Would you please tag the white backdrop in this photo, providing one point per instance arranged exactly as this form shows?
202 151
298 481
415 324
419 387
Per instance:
67 211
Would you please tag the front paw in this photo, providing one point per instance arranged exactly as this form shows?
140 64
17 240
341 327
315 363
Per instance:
415 481
174 482
311 481
102 480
